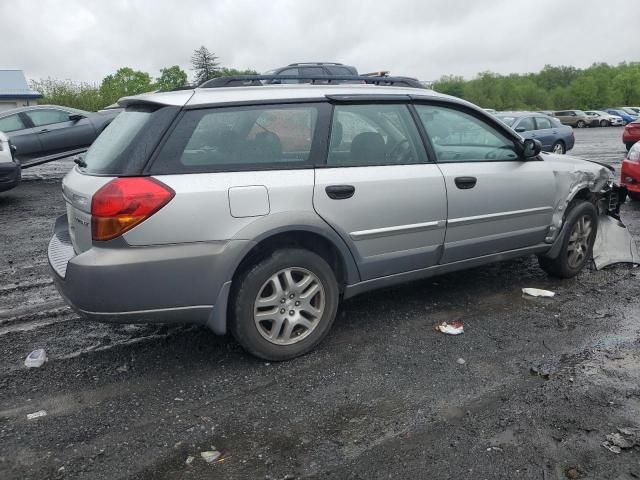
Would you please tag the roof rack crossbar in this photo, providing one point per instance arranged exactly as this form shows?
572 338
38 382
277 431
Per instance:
326 79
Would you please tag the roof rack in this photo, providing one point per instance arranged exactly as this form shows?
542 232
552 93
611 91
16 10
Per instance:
313 63
260 80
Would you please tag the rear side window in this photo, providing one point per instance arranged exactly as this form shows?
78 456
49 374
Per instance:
241 138
47 117
11 123
543 123
527 124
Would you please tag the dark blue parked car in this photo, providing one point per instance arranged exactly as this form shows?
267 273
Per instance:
554 136
626 117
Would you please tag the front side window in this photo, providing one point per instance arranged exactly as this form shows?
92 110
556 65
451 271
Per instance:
289 72
47 117
460 137
239 138
11 123
383 134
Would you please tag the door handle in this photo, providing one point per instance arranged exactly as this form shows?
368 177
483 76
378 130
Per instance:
464 183
44 130
340 192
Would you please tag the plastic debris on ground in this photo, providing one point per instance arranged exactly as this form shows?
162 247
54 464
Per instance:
210 456
189 460
36 358
38 414
453 328
613 244
461 361
538 292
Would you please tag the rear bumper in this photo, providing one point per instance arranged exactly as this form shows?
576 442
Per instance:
10 175
185 283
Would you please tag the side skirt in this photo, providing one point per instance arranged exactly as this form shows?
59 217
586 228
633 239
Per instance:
381 282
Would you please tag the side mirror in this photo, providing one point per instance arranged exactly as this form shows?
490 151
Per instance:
532 148
74 117
521 129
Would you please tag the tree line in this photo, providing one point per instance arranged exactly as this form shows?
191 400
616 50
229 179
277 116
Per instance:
127 81
553 88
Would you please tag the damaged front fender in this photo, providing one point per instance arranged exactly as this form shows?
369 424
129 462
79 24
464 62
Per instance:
579 179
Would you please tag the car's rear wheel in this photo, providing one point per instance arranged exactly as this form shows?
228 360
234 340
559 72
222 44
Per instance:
604 123
559 147
581 226
581 124
284 305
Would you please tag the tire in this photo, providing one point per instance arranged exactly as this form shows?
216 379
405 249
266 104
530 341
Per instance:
559 147
577 245
581 124
268 280
604 123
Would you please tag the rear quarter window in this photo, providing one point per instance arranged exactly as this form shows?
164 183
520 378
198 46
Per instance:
240 138
124 147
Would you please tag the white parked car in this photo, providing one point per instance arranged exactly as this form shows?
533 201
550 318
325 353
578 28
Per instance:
9 168
605 119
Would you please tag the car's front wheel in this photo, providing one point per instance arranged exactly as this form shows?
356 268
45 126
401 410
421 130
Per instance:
558 147
581 124
604 123
581 226
284 305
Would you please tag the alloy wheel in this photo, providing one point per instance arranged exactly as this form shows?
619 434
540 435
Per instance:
579 240
289 306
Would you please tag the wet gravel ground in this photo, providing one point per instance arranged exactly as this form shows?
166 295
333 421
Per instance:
543 382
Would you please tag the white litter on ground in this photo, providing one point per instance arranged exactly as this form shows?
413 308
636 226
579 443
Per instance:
36 358
538 292
453 328
39 413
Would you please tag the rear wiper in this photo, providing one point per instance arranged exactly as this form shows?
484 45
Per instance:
80 162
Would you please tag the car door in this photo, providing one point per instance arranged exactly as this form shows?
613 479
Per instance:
545 132
22 135
496 201
58 133
379 191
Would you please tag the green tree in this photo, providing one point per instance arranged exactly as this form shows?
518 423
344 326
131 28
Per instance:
172 77
67 93
124 82
229 72
204 65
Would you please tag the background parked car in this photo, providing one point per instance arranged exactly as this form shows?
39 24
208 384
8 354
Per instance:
313 69
554 136
631 134
630 172
9 169
44 132
574 118
626 117
604 119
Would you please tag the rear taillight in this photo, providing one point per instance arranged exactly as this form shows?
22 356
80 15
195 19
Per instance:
125 202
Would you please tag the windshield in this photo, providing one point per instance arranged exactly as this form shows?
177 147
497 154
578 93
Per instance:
507 119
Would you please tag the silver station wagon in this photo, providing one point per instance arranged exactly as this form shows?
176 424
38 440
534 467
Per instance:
256 209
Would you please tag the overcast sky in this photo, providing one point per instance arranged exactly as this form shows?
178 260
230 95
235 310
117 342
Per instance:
86 40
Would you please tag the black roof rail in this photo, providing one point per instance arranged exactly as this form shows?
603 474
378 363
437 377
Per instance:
260 80
313 63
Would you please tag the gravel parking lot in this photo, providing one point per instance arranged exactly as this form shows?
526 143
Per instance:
541 382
